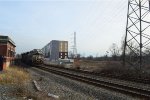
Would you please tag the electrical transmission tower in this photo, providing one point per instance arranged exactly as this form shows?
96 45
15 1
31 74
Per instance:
75 46
137 38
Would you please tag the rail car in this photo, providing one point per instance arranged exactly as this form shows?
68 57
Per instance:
34 57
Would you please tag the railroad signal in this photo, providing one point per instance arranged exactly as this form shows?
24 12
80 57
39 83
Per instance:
137 38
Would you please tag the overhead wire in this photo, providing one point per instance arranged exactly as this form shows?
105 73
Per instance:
107 20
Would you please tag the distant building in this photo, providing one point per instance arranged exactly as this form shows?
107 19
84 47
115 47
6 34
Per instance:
7 52
56 50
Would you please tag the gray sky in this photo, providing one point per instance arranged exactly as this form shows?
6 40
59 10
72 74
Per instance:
34 23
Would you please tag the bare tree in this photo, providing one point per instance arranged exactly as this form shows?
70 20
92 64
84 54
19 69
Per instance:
114 51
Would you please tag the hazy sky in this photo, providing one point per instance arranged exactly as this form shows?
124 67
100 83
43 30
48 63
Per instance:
33 23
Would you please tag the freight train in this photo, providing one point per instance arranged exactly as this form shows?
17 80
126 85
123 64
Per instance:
34 57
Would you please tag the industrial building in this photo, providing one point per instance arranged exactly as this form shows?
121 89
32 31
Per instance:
56 50
7 52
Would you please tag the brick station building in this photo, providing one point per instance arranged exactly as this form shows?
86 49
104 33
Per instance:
7 52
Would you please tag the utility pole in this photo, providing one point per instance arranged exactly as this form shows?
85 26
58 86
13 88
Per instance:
137 37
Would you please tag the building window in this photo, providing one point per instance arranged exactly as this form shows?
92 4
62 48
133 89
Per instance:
61 46
9 53
65 54
65 45
66 50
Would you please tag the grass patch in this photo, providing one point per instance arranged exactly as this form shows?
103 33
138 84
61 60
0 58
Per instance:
92 65
14 75
19 84
116 69
17 79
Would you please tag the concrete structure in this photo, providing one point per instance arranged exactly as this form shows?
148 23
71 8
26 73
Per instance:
56 50
7 52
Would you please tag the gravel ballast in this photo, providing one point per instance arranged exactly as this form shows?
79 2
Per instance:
68 89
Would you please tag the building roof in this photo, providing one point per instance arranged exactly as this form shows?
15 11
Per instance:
58 41
5 39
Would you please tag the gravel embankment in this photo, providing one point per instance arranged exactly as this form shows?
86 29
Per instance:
16 92
68 89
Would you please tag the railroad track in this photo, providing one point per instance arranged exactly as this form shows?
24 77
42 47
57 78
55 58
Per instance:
126 89
132 79
127 78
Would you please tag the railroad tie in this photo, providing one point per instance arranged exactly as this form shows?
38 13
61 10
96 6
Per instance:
37 86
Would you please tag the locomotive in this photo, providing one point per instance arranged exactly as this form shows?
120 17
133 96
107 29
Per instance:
34 57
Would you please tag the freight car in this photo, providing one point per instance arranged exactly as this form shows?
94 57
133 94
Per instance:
34 57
